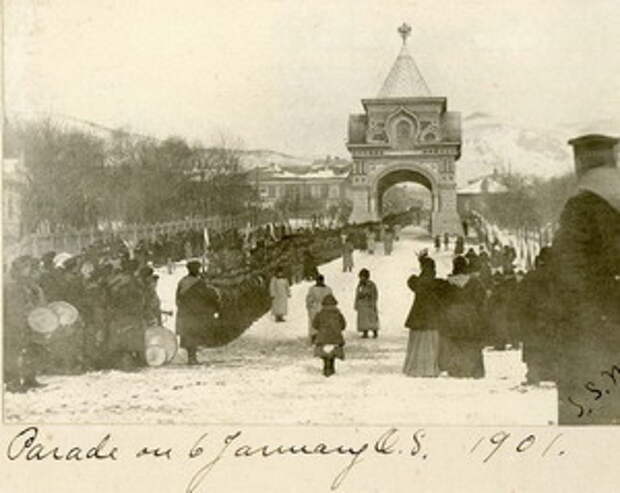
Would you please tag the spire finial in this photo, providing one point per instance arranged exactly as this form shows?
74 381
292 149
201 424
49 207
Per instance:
404 31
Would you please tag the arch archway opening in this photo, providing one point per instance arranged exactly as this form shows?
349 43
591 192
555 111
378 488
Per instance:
405 190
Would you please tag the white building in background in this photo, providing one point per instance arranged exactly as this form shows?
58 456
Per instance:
275 183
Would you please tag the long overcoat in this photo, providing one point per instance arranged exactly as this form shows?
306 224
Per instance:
586 266
347 255
329 324
426 313
280 291
197 305
366 299
125 323
314 300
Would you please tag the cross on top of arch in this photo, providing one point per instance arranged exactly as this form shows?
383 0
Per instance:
405 31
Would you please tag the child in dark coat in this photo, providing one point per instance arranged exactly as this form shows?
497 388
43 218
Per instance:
329 342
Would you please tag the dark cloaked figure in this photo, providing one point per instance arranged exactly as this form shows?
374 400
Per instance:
424 321
21 295
437 243
459 246
537 312
125 326
197 310
329 324
347 255
310 269
462 336
586 268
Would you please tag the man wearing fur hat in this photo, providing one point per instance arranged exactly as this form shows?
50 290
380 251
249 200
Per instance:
197 309
586 260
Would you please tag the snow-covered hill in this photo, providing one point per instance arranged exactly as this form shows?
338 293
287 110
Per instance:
264 157
490 143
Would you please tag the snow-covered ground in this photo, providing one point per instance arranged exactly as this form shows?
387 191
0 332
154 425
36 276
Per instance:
269 375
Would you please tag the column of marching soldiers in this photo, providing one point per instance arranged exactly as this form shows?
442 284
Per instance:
71 314
68 314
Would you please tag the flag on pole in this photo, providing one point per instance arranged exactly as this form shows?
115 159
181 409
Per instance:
272 232
130 247
205 236
529 264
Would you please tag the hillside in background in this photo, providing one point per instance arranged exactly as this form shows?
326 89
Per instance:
488 143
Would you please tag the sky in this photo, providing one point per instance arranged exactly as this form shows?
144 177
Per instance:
285 75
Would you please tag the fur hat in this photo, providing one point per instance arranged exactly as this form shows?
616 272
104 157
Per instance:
329 300
593 151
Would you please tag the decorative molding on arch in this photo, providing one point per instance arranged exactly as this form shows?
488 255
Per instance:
433 178
399 110
395 116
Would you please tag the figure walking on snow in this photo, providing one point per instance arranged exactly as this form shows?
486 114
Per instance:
347 255
388 241
329 324
280 292
366 298
314 300
370 241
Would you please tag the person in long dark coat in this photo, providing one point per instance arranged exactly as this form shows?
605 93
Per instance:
388 241
459 246
310 270
424 322
462 337
124 312
536 312
20 296
197 310
586 267
501 313
329 324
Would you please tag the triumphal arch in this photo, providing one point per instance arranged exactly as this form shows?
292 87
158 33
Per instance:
405 134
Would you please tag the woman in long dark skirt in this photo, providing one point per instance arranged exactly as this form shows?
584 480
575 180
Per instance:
424 322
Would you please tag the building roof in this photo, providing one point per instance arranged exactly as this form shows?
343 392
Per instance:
404 79
277 174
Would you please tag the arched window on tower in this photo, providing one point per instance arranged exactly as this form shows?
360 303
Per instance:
403 134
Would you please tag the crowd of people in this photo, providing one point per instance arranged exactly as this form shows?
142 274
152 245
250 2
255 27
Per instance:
481 303
112 286
564 312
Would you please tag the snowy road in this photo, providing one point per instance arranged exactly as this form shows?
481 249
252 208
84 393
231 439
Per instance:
268 375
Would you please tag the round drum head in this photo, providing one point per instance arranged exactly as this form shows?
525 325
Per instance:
160 336
43 320
155 355
66 312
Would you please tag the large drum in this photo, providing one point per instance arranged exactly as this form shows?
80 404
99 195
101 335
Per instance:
43 322
66 345
160 346
67 314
